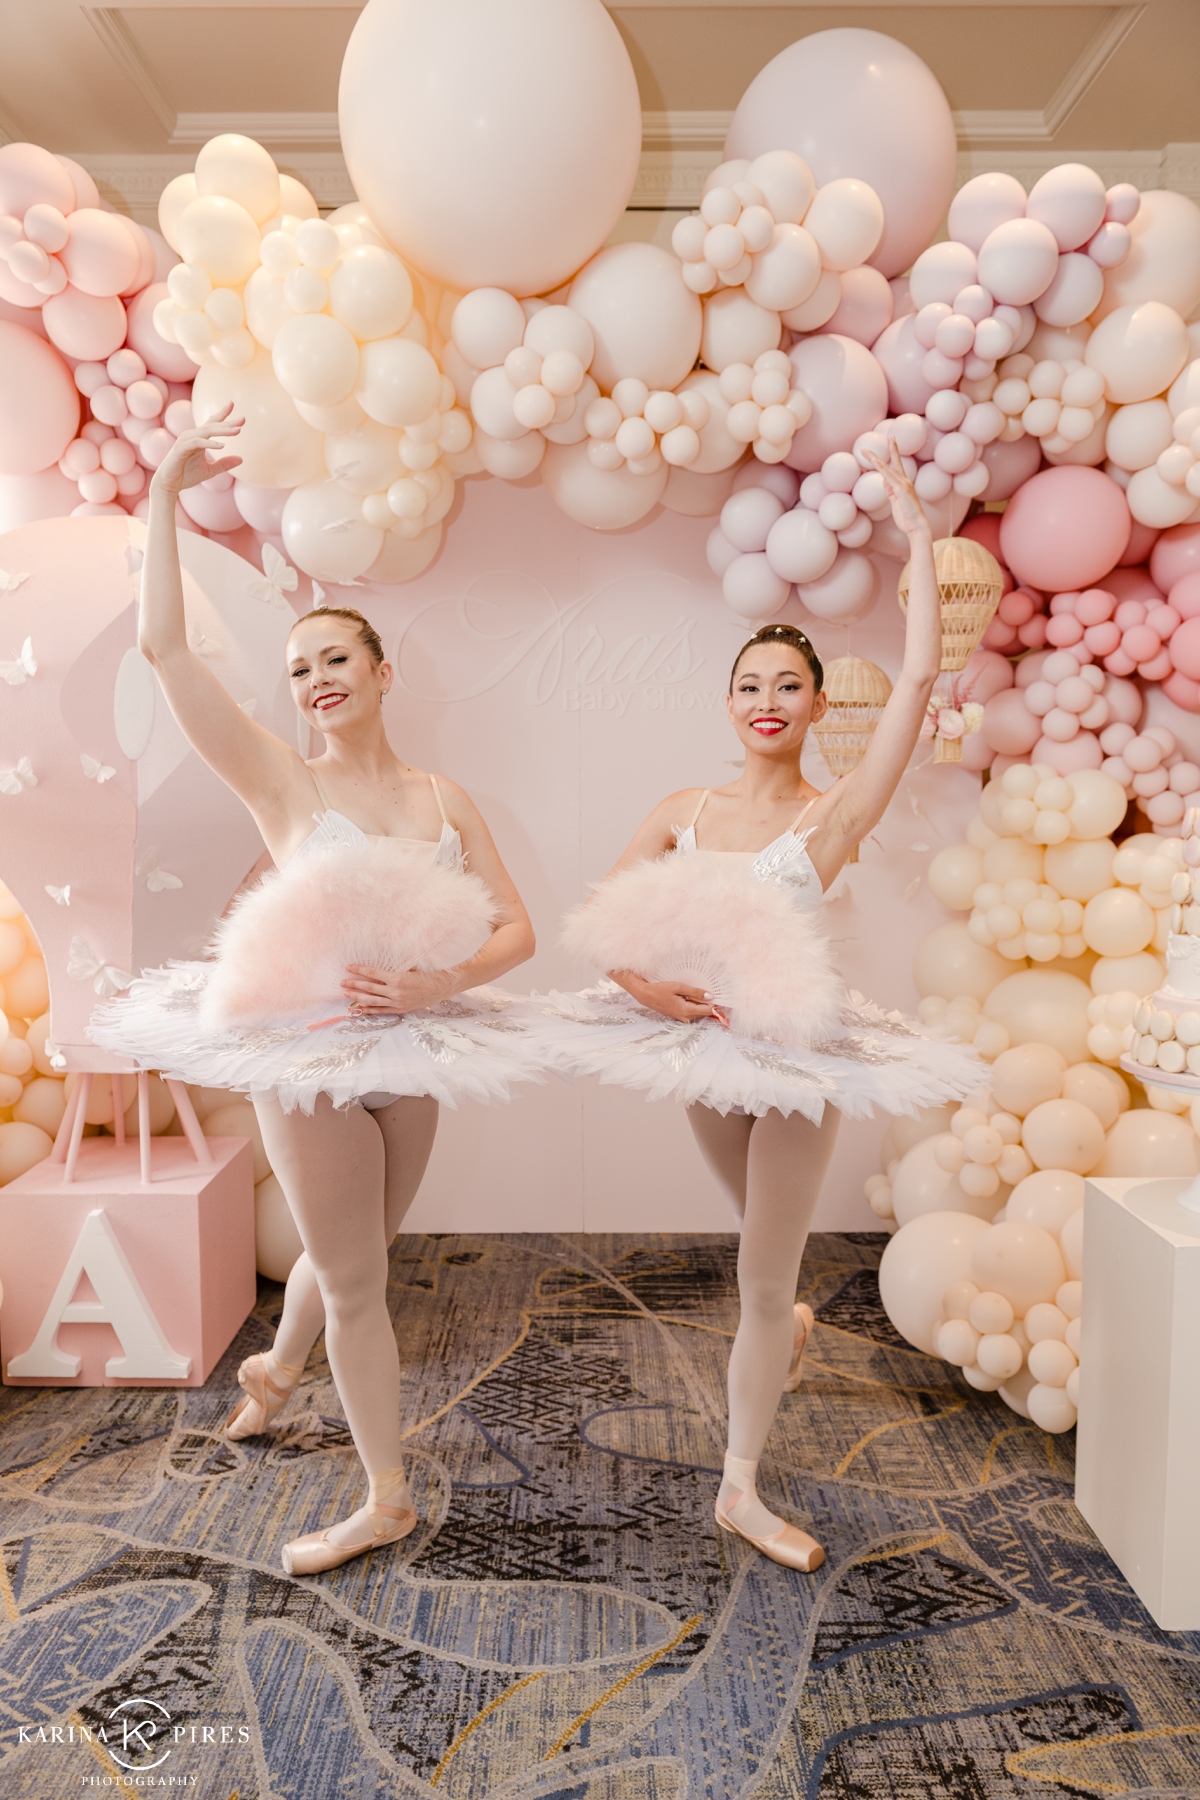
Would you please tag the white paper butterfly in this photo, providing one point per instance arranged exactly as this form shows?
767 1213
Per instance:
84 965
61 896
319 601
157 879
134 558
10 583
281 579
16 673
14 781
95 770
249 707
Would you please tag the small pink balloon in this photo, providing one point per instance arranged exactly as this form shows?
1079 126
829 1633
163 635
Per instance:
1124 700
1008 725
1094 606
1140 642
1185 595
1065 528
865 308
161 358
30 175
1176 553
39 403
85 326
985 675
1016 607
1102 639
1183 691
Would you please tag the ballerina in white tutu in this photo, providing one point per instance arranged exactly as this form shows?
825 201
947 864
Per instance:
348 995
722 993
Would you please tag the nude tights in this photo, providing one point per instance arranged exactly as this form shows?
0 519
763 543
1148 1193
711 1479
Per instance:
349 1177
772 1169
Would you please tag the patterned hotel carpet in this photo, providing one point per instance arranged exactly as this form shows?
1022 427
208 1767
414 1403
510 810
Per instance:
567 1624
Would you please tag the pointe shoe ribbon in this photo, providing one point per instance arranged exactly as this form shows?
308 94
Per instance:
791 1546
261 1393
803 1324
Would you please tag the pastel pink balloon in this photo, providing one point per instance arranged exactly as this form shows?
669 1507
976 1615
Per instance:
1065 528
1070 200
39 404
985 675
1176 553
1185 595
977 753
849 394
1183 691
86 191
29 175
1018 261
1102 639
27 498
1141 643
900 355
1131 584
858 103
1142 540
88 327
1124 700
1080 752
1008 725
1095 606
1008 465
1016 607
161 358
212 511
865 308
982 204
100 255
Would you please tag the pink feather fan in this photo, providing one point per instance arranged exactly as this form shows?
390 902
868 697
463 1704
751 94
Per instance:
712 923
285 946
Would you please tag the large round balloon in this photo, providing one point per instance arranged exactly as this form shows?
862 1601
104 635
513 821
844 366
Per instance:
494 142
39 405
857 103
1065 528
278 450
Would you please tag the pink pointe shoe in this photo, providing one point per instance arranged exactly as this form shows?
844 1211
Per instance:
313 1553
791 1546
804 1322
263 1397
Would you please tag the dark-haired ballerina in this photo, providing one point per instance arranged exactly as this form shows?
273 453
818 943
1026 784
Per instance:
367 847
738 1012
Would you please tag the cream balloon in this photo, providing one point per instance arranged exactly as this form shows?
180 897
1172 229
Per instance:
786 273
1101 1090
316 359
1118 922
266 308
846 219
1164 257
493 142
737 329
399 382
1019 1260
1063 1134
237 1118
919 1264
486 325
645 322
1146 1143
1027 1076
325 534
949 962
220 237
277 449
605 500
1137 435
237 168
1139 974
174 200
1047 1198
370 292
21 1146
954 874
1139 350
365 460
920 1185
1044 1006
403 558
718 450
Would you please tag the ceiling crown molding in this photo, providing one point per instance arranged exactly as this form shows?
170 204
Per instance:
983 126
192 129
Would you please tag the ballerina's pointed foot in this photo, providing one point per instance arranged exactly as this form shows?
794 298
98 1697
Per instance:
790 1546
379 1523
804 1321
264 1395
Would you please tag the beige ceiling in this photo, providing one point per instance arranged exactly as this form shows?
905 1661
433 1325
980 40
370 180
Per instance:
146 80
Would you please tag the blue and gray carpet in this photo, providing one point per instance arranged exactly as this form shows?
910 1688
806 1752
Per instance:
567 1623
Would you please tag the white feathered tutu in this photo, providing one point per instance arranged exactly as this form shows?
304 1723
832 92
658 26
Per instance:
744 930
256 1018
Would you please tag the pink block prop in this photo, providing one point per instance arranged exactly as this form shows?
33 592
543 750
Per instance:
170 1266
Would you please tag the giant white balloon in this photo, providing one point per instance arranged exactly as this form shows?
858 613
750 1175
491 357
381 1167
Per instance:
494 142
860 104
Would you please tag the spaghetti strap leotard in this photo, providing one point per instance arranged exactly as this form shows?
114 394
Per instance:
469 1047
872 1060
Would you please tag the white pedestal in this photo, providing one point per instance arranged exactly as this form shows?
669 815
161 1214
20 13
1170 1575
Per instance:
1138 1461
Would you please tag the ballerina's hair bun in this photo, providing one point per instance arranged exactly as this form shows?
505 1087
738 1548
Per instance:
783 634
367 633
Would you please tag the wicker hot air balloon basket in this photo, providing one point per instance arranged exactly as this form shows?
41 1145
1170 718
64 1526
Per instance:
856 693
970 583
